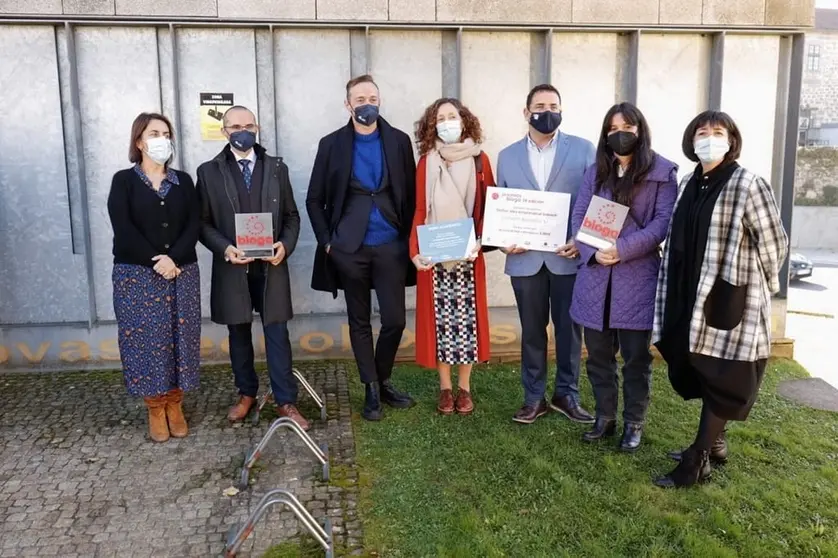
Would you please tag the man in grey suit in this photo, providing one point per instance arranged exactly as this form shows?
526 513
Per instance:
550 161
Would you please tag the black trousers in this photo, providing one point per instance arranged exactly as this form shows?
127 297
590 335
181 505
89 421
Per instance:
381 268
277 349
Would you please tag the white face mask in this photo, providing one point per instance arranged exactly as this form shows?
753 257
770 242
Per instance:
449 131
711 149
159 149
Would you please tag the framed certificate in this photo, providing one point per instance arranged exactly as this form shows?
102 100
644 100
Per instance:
255 234
446 242
529 219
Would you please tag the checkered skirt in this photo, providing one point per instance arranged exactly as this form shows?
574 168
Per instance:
456 314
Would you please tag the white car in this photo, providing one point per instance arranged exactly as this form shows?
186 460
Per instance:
799 267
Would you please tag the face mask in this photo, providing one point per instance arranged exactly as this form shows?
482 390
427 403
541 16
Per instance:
366 115
546 122
243 140
449 131
159 149
622 143
712 149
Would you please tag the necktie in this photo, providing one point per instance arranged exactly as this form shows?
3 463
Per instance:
246 173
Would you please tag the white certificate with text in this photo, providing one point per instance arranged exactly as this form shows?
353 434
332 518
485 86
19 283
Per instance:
529 219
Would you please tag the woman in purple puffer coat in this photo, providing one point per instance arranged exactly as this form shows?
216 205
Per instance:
614 295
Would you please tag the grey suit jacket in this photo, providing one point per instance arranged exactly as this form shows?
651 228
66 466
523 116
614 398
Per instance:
573 156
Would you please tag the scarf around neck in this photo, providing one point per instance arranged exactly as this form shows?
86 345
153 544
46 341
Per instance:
450 182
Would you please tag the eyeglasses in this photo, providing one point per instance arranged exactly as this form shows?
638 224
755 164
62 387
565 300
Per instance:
237 128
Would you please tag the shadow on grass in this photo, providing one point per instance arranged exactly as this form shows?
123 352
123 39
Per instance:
484 486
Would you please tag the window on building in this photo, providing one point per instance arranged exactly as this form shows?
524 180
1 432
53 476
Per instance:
813 59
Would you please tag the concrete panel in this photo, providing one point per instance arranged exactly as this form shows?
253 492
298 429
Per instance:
265 74
499 104
357 10
233 73
259 9
412 10
108 108
404 101
815 228
584 72
672 89
790 12
205 8
89 7
30 7
310 98
607 11
678 12
41 281
519 11
751 61
740 12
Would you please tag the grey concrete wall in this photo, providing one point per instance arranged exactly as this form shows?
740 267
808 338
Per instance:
797 13
815 228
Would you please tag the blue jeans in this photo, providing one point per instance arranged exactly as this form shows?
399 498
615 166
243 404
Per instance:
277 349
538 297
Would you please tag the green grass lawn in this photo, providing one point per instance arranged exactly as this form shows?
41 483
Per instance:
484 486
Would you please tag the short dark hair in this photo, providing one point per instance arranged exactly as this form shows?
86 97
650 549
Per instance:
713 118
541 88
135 154
236 107
366 78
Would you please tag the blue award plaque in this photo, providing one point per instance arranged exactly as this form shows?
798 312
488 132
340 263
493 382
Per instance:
450 241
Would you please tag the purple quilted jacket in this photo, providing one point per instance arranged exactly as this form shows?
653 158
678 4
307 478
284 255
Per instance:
634 279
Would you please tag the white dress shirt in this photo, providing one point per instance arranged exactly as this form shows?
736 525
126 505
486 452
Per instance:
250 157
541 160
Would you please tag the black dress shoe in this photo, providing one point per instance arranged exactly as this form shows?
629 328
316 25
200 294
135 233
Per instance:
694 468
395 398
529 413
718 452
372 403
632 434
569 407
603 428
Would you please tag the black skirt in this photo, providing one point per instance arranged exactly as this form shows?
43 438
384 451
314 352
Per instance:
728 387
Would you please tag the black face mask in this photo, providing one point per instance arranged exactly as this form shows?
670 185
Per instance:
622 143
546 122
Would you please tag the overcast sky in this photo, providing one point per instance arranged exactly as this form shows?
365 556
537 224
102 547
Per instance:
832 4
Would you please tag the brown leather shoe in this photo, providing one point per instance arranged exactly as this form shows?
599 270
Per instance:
158 430
240 409
174 413
446 402
529 413
465 405
290 411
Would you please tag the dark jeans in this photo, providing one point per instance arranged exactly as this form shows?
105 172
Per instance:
277 349
381 268
538 297
637 371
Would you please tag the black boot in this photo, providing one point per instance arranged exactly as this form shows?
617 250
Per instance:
603 428
718 452
693 468
393 397
632 434
372 402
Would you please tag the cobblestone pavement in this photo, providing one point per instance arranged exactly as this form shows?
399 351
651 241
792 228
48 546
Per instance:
79 477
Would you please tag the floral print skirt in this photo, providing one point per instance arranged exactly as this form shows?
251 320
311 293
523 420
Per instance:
159 325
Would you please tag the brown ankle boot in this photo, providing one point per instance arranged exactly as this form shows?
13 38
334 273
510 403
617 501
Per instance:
446 402
174 413
158 430
464 403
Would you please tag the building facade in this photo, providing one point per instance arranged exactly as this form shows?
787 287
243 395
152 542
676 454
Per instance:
77 72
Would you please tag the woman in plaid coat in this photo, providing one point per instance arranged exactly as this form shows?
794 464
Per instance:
723 253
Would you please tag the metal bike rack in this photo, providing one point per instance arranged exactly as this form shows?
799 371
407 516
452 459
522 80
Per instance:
257 411
320 452
322 534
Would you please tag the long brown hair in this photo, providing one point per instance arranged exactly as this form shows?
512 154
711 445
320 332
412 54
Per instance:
135 154
426 136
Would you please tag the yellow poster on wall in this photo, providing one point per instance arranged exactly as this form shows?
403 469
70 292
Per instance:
213 106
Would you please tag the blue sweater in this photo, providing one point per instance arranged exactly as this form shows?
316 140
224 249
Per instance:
368 168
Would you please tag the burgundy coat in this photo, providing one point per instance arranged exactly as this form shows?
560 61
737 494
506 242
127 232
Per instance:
634 278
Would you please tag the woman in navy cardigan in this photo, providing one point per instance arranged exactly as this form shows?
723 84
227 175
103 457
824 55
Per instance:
154 213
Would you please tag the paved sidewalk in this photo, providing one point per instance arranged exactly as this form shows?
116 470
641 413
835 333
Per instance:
79 478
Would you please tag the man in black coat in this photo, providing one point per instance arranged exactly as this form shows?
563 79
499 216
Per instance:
360 201
243 178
